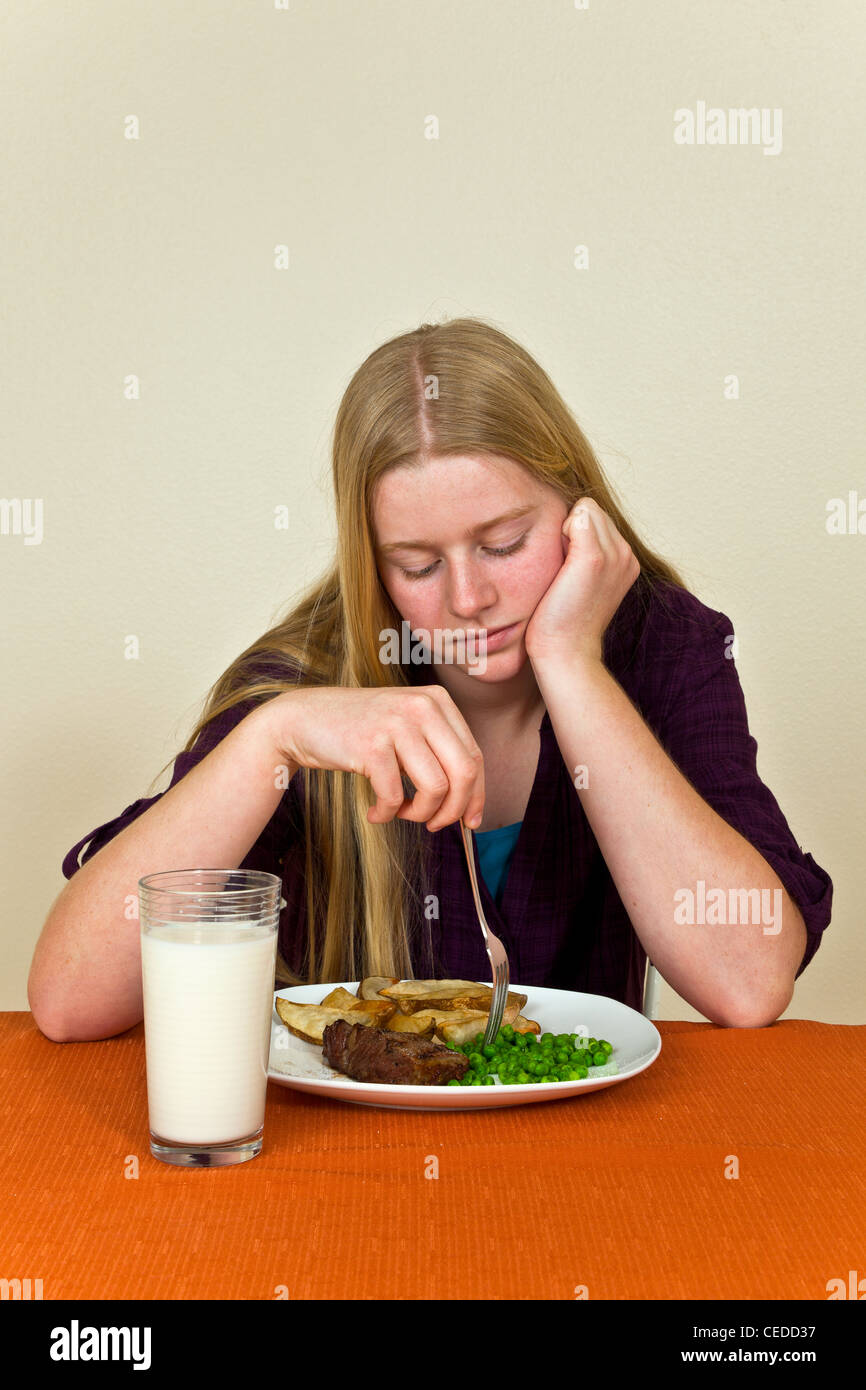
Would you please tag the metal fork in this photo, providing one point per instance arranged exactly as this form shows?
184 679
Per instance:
495 949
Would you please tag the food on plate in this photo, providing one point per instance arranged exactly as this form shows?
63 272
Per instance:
371 987
411 996
460 1030
402 1059
340 998
521 1059
431 1032
309 1021
454 1016
426 1021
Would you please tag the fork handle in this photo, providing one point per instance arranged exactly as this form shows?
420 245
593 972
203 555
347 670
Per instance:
470 860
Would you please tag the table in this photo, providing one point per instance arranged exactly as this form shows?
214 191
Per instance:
620 1194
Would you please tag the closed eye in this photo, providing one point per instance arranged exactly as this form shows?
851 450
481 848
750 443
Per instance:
492 550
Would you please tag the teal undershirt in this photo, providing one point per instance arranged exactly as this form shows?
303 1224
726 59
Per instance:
495 848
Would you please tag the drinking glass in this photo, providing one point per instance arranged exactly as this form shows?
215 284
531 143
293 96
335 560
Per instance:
208 952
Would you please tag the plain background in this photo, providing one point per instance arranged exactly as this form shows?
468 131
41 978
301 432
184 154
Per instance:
308 126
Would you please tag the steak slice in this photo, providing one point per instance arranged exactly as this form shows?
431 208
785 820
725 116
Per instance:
401 1059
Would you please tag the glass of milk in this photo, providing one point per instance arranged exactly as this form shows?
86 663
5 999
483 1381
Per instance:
208 953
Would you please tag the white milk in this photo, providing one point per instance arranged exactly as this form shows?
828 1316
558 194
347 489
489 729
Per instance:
207 1011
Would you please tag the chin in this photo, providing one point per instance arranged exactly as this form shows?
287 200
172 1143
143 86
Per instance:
501 666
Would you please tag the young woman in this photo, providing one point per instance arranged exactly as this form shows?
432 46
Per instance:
602 751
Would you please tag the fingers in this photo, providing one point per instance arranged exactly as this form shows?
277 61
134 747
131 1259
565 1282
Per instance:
466 748
383 773
465 776
442 760
587 515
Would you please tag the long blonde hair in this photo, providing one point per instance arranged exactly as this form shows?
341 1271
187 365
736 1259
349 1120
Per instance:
456 388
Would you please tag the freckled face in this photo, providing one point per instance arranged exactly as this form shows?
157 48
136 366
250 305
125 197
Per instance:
455 580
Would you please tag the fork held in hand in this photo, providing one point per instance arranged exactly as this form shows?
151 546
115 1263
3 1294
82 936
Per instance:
495 948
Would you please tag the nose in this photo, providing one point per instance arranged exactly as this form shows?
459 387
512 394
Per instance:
468 591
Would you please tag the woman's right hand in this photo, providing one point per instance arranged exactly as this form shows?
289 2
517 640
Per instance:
382 732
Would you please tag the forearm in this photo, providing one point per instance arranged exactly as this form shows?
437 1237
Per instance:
85 977
661 842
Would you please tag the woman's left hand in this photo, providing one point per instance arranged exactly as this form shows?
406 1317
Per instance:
599 568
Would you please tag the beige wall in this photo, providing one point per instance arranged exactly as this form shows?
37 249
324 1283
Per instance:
308 126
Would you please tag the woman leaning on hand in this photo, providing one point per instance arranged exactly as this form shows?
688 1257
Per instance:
602 750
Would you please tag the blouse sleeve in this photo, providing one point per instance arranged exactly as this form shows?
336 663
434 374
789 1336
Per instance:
263 855
704 729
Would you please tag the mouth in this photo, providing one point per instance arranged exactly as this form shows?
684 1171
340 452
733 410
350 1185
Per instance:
496 637
491 631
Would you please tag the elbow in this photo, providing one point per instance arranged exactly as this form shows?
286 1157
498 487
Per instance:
53 1031
51 1025
64 1019
46 1014
61 1028
747 1013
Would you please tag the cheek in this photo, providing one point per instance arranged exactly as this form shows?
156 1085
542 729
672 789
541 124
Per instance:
540 568
410 601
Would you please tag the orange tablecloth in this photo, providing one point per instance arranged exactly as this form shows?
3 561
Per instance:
622 1191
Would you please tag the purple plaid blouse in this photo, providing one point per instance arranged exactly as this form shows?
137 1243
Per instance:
560 916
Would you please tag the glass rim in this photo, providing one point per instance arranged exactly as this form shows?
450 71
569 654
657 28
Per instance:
265 882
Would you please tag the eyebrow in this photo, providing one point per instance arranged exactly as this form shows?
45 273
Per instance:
473 531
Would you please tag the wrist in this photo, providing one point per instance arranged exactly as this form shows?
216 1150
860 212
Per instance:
272 725
587 658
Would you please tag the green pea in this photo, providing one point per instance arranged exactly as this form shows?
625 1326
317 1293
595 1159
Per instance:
455 1081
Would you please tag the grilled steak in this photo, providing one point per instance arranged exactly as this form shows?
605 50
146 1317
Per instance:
402 1059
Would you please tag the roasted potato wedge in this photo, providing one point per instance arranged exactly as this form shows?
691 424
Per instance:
425 1021
411 996
309 1021
460 1031
525 1025
513 1004
422 1024
372 987
340 998
380 1010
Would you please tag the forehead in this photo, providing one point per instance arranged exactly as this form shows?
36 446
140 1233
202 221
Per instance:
448 493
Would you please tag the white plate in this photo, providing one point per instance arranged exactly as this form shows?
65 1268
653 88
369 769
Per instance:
636 1044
